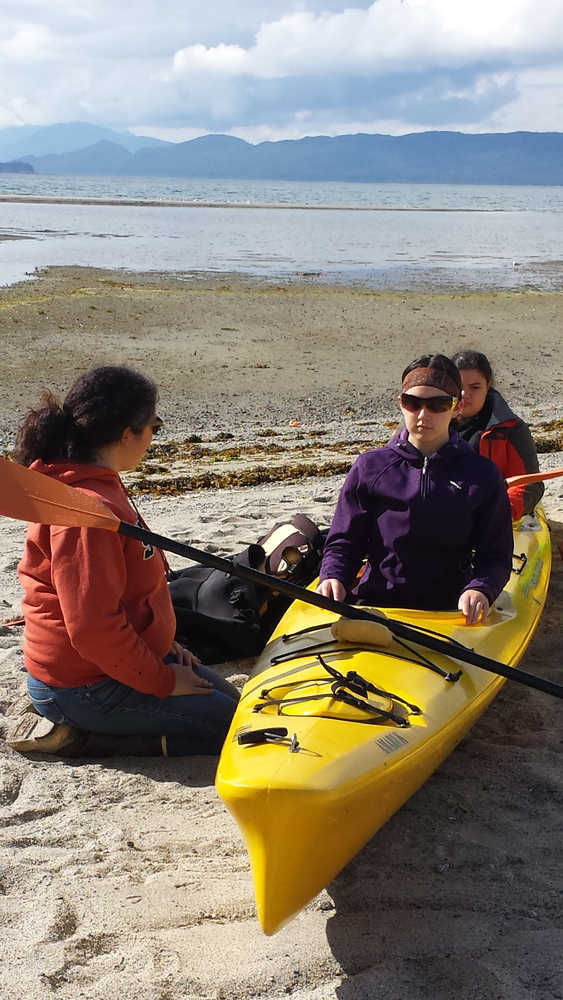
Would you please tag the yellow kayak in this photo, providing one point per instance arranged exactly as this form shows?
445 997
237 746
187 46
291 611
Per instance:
332 736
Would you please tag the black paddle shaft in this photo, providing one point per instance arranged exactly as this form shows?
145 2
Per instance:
399 629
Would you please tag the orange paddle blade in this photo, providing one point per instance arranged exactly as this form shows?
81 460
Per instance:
533 477
28 495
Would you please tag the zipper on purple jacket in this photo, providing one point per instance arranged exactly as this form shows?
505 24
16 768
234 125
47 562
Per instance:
424 478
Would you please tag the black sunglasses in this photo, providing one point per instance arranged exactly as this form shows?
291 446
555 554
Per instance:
157 425
435 404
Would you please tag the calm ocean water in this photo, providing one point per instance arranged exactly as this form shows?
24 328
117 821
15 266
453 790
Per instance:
385 235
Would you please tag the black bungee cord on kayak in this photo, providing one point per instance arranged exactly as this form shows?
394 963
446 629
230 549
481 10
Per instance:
417 657
356 685
361 686
423 660
338 694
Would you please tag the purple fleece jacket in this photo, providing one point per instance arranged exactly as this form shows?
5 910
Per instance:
429 528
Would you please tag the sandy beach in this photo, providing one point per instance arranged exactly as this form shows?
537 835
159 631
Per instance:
126 878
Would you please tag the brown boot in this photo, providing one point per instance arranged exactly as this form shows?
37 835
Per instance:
32 733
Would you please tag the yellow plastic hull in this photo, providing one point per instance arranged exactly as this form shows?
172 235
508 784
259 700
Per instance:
307 804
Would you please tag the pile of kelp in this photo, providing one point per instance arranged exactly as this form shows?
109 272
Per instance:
177 467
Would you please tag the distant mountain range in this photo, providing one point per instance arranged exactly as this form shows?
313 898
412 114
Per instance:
424 157
24 141
16 167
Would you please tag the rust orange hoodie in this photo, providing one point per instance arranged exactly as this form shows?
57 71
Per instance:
96 603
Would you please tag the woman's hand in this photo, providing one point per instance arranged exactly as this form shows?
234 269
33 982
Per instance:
188 681
185 666
181 655
474 605
334 589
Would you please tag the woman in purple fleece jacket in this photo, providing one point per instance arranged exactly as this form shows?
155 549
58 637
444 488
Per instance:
430 516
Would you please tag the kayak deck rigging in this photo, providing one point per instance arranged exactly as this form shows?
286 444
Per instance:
337 692
418 657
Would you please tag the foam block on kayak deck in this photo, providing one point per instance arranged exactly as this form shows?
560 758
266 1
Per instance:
361 630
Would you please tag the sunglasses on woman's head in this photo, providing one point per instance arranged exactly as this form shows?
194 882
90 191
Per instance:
156 425
434 404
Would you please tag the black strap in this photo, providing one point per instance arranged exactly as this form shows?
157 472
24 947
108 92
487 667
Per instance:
361 686
352 680
339 694
344 688
417 657
448 675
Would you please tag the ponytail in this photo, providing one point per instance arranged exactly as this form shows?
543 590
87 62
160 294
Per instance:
99 406
44 432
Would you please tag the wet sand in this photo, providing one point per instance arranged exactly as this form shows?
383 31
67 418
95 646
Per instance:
233 352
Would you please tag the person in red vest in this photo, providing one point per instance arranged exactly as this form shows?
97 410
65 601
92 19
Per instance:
493 430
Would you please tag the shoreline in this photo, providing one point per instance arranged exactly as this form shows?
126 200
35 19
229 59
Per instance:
36 199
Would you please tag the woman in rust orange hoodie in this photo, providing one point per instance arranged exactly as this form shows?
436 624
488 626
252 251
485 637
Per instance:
99 623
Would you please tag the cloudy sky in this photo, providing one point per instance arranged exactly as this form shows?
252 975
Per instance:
176 68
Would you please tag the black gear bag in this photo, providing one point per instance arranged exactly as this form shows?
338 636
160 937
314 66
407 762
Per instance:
219 617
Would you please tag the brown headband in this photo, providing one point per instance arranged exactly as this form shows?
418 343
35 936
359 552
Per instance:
431 376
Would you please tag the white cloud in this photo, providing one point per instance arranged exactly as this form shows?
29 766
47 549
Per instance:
227 60
390 36
531 105
283 69
27 43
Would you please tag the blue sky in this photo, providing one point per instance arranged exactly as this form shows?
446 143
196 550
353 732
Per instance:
176 69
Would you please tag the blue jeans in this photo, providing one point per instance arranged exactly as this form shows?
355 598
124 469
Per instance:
192 724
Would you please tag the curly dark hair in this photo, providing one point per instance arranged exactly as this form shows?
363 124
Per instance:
96 410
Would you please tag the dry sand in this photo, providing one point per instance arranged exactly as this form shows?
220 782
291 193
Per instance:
126 879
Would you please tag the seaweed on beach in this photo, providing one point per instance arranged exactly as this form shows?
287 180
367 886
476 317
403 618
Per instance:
548 436
156 474
549 425
253 476
175 450
160 473
546 444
